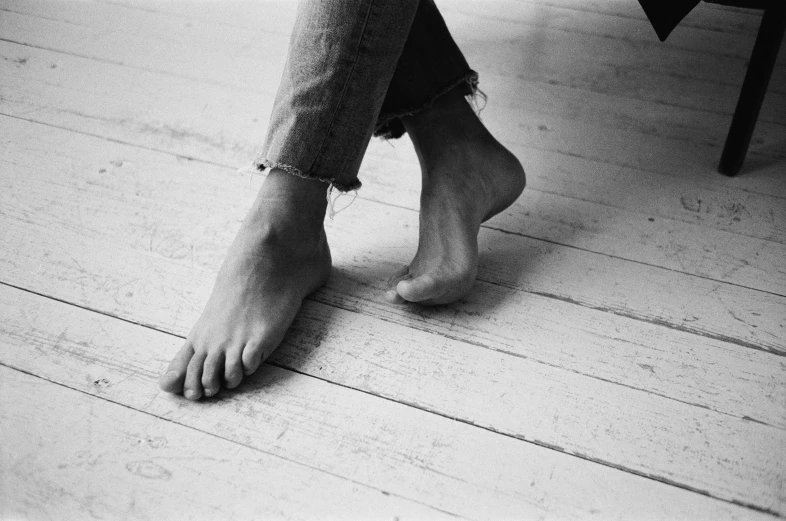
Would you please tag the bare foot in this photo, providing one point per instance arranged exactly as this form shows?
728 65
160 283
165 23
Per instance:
279 256
468 177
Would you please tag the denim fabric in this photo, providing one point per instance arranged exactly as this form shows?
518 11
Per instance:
430 65
354 67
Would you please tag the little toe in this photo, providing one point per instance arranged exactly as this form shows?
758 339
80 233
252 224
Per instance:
233 370
192 389
172 380
212 372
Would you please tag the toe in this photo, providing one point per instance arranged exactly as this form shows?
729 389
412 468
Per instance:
252 357
391 295
212 372
172 380
420 289
192 389
233 370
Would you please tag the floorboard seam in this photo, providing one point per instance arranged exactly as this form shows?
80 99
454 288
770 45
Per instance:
229 440
407 404
642 263
523 145
391 205
409 326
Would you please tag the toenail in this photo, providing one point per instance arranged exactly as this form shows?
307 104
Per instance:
190 394
209 392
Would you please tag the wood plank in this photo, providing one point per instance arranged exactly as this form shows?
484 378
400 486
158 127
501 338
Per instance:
709 27
235 14
515 44
166 122
92 13
699 32
644 354
729 208
638 32
708 30
69 455
160 246
128 277
566 102
685 303
589 61
650 234
86 28
227 128
711 17
389 446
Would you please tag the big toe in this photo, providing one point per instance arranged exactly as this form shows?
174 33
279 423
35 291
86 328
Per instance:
433 290
173 379
253 355
422 289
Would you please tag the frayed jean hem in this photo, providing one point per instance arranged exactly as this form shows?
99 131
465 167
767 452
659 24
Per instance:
389 126
263 163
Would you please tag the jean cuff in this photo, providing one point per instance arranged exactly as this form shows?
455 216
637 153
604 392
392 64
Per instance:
262 163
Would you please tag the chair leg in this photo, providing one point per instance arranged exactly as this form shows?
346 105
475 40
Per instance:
765 50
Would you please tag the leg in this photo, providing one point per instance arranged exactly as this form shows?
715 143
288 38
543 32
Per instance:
341 58
468 176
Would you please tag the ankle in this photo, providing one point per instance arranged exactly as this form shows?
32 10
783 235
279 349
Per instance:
292 198
282 185
288 206
449 112
447 128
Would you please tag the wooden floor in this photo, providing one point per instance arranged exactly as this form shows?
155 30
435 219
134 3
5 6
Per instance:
620 357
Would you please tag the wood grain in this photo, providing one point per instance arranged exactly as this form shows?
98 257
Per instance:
119 463
725 35
157 279
621 356
691 304
660 154
586 220
376 443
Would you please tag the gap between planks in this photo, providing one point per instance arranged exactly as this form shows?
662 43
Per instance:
744 266
200 469
240 147
242 59
104 380
88 275
523 264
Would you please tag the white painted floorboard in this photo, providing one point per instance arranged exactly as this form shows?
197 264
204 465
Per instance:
620 357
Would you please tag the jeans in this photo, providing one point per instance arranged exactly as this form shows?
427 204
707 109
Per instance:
354 68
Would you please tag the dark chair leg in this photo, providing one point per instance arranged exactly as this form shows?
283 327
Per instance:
765 50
